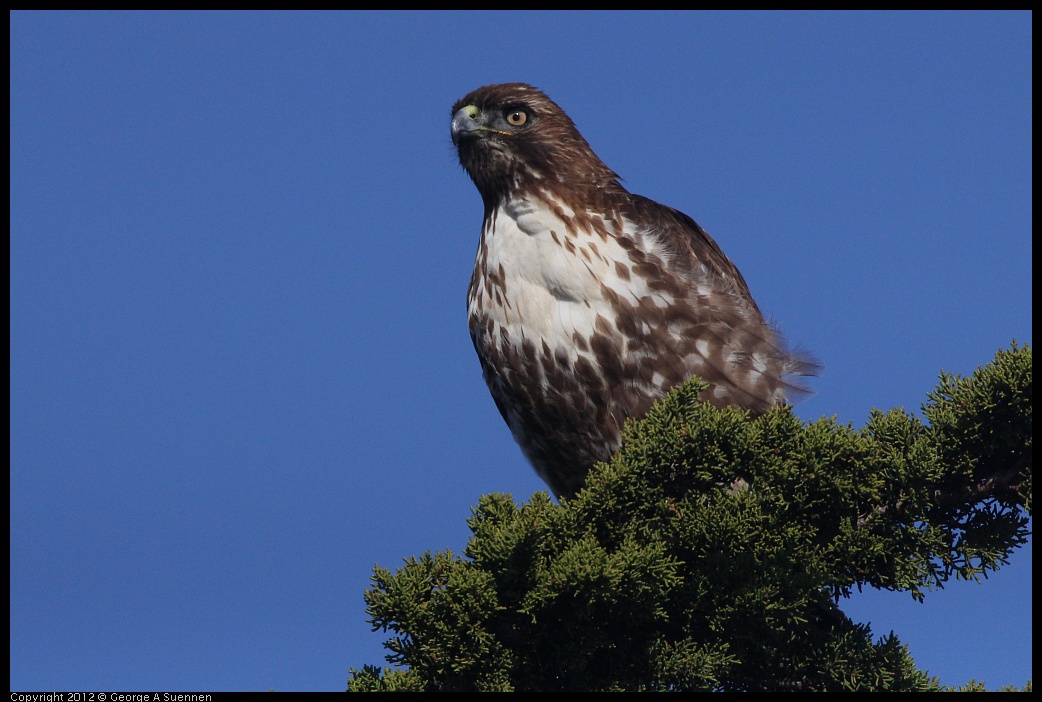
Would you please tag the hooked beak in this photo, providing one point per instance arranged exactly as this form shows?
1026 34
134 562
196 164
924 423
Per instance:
464 123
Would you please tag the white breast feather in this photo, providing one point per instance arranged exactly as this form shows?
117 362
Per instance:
555 293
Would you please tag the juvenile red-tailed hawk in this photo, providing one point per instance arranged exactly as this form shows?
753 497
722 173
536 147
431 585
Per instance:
587 302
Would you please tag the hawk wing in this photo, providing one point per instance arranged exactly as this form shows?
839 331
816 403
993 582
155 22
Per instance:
691 243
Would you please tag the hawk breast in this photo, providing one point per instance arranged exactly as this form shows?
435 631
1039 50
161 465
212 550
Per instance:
551 312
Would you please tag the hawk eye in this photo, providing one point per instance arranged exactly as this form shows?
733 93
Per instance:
517 117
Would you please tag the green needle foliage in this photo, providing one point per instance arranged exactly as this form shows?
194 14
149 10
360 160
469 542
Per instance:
714 552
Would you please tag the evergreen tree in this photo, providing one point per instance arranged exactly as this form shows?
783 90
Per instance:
714 552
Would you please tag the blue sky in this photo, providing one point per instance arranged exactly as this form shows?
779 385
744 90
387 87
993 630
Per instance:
240 244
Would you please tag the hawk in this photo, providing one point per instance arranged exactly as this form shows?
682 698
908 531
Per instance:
587 302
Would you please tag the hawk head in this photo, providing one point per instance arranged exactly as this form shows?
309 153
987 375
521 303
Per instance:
510 135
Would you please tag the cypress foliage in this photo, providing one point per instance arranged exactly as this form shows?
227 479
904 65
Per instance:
714 552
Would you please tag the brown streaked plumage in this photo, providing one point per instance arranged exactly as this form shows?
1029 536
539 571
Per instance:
587 302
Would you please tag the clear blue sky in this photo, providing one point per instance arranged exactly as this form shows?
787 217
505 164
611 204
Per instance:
240 244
